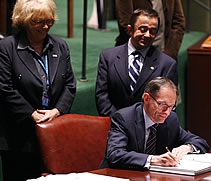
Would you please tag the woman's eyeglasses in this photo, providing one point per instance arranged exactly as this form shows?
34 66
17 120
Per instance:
48 22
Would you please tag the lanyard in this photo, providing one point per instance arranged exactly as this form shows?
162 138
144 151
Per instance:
45 68
45 99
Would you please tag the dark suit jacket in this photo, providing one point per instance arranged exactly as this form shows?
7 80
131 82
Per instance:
174 22
21 89
125 147
112 85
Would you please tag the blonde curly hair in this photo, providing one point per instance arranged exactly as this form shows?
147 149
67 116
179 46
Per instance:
25 10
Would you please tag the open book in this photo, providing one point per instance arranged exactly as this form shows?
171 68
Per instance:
191 164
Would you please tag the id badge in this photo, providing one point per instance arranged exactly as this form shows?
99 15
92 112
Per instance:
45 100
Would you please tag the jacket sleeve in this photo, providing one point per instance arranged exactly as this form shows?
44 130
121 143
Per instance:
172 73
117 152
67 96
175 29
124 9
179 136
17 105
186 137
103 102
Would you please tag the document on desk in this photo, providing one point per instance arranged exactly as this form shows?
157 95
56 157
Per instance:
191 164
78 177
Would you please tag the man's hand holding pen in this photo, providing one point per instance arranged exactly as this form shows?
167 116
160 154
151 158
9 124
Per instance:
168 159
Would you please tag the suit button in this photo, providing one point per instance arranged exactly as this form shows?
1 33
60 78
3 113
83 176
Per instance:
63 76
19 77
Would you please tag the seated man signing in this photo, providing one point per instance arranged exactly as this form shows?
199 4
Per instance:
134 144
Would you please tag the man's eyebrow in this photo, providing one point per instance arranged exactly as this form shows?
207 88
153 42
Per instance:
147 27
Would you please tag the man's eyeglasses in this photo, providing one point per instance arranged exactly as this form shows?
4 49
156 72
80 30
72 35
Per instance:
163 106
49 22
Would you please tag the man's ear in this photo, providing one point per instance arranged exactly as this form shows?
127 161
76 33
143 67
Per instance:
130 29
146 98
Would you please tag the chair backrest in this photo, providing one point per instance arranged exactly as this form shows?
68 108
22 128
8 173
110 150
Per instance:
73 142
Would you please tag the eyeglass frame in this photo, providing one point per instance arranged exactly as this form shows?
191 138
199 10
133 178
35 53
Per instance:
49 22
163 106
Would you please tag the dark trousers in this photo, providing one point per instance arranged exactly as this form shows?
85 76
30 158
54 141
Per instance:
20 166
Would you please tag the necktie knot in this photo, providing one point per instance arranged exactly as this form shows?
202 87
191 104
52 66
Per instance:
136 53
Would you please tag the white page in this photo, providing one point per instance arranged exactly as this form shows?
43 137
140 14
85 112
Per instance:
187 166
78 177
198 157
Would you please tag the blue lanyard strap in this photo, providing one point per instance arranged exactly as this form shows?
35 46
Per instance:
45 98
45 67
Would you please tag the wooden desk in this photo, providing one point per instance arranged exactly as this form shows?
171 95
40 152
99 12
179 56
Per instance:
151 176
199 91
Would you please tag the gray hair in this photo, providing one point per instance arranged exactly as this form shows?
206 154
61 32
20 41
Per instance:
155 84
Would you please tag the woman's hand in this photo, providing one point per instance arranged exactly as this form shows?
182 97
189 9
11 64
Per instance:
45 115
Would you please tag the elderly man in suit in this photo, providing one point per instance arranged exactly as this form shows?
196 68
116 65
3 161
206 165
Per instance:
140 134
172 24
124 71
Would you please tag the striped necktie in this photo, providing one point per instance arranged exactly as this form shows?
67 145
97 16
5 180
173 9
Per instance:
134 69
151 142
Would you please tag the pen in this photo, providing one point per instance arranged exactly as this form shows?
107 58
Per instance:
170 152
167 149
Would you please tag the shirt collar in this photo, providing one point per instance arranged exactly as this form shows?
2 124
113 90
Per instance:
24 43
148 121
131 49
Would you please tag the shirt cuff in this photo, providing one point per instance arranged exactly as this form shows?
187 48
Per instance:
147 164
195 150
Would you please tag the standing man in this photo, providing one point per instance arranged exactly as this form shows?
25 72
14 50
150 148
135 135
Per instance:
172 22
124 71
139 134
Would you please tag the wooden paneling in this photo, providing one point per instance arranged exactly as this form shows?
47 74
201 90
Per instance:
3 16
199 91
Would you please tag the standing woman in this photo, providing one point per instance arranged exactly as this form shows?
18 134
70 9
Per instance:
36 84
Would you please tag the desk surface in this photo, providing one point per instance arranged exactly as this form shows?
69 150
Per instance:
153 176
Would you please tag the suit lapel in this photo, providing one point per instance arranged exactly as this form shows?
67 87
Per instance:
140 129
53 59
28 61
150 66
162 133
121 66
